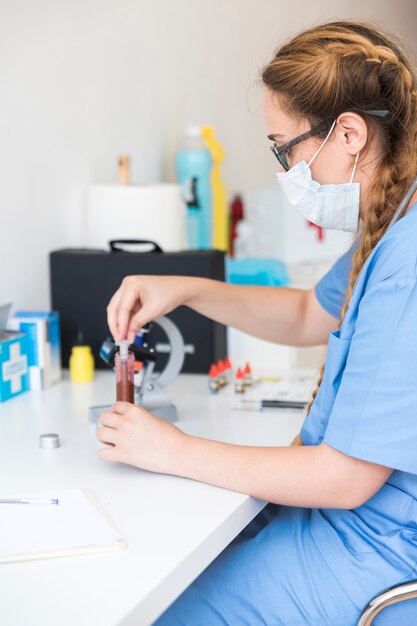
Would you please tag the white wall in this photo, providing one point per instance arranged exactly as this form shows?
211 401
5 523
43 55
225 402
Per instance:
82 81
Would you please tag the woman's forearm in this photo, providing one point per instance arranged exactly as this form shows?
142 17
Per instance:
280 475
308 476
274 314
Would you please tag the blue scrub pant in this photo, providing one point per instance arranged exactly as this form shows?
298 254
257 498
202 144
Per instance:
274 575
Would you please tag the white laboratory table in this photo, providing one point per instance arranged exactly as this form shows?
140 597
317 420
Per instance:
174 527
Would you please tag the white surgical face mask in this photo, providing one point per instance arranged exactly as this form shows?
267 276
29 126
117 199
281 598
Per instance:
330 206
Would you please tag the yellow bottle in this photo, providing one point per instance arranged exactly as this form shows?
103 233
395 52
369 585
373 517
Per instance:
220 209
81 365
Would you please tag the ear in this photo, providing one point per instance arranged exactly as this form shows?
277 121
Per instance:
351 132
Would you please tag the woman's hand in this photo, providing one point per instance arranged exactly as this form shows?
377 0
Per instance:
139 438
141 299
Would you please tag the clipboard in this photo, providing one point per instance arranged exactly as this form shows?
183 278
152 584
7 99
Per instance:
80 526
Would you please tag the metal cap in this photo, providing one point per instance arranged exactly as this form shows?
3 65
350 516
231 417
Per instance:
48 441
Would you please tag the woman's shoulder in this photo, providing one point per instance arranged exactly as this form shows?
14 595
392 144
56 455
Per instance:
395 256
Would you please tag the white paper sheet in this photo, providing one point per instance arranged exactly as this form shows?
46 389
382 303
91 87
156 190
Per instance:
74 523
290 388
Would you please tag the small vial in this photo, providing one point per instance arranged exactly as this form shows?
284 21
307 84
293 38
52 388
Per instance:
247 376
124 362
213 381
222 373
81 362
239 386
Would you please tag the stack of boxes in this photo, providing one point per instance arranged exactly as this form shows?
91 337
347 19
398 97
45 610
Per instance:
44 358
30 355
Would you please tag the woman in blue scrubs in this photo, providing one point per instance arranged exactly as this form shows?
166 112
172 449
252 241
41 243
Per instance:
341 109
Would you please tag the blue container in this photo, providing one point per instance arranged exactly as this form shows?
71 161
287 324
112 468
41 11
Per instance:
257 271
193 164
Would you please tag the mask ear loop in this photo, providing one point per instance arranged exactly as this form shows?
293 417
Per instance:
322 145
354 169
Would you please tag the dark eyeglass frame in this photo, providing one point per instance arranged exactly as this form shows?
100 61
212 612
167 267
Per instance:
280 151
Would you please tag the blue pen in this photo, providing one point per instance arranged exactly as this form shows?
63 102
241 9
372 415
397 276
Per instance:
29 501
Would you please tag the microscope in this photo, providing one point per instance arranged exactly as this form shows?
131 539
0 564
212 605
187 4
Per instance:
149 385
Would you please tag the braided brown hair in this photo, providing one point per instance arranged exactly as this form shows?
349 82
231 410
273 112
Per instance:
352 66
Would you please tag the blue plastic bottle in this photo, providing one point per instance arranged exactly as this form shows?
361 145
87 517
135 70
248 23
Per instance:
193 164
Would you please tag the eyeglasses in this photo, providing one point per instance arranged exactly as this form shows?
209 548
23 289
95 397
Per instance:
281 152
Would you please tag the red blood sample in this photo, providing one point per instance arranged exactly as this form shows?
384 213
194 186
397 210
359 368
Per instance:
125 370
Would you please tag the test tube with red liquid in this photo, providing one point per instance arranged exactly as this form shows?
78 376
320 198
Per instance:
125 371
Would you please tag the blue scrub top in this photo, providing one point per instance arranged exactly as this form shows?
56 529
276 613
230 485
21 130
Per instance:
366 406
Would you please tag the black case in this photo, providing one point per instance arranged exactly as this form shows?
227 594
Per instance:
84 280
